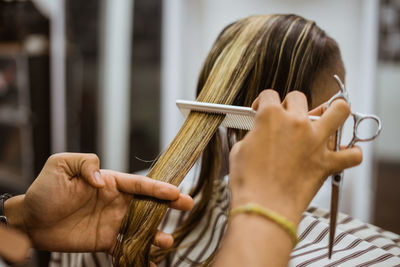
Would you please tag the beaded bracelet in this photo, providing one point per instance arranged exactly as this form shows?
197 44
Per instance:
283 222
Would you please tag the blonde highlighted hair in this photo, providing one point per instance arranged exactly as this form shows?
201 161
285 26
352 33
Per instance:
282 52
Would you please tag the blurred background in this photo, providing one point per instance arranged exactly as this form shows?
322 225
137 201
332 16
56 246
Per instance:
102 76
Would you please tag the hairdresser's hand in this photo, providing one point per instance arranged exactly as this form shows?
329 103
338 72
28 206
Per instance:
280 165
72 206
14 246
285 159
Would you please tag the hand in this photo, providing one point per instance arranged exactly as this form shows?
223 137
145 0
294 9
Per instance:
14 246
280 164
72 206
285 159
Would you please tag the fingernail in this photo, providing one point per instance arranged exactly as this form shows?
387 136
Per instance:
98 178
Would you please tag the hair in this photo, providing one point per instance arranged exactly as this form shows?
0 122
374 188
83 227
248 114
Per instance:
281 52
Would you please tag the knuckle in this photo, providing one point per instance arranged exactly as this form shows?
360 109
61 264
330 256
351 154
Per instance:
89 159
343 105
93 157
269 111
53 157
300 121
297 94
266 92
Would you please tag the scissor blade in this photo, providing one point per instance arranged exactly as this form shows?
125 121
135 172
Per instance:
336 179
334 211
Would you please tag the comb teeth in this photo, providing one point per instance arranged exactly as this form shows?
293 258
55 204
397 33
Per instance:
235 116
238 121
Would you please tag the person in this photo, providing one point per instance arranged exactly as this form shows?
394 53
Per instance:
292 54
74 206
71 208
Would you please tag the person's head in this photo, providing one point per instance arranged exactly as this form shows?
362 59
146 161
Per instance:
292 53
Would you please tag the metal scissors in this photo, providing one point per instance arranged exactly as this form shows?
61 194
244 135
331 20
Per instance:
358 118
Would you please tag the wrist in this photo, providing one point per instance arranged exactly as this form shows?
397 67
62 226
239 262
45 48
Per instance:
277 202
13 210
255 240
281 221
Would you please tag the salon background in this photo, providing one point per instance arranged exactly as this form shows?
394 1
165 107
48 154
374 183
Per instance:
33 77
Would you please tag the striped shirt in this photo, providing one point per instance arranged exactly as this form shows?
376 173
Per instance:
356 243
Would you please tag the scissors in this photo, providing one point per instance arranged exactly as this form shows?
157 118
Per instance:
358 118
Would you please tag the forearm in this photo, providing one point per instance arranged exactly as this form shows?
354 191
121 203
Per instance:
253 239
13 210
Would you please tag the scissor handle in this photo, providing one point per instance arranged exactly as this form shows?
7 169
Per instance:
358 118
342 93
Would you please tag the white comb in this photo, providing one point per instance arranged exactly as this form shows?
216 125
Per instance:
235 116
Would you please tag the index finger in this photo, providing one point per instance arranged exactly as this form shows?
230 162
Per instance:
265 98
296 102
142 185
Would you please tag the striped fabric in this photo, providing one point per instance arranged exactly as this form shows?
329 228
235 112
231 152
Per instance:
356 243
80 260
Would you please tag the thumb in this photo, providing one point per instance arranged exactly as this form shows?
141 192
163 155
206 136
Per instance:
345 158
